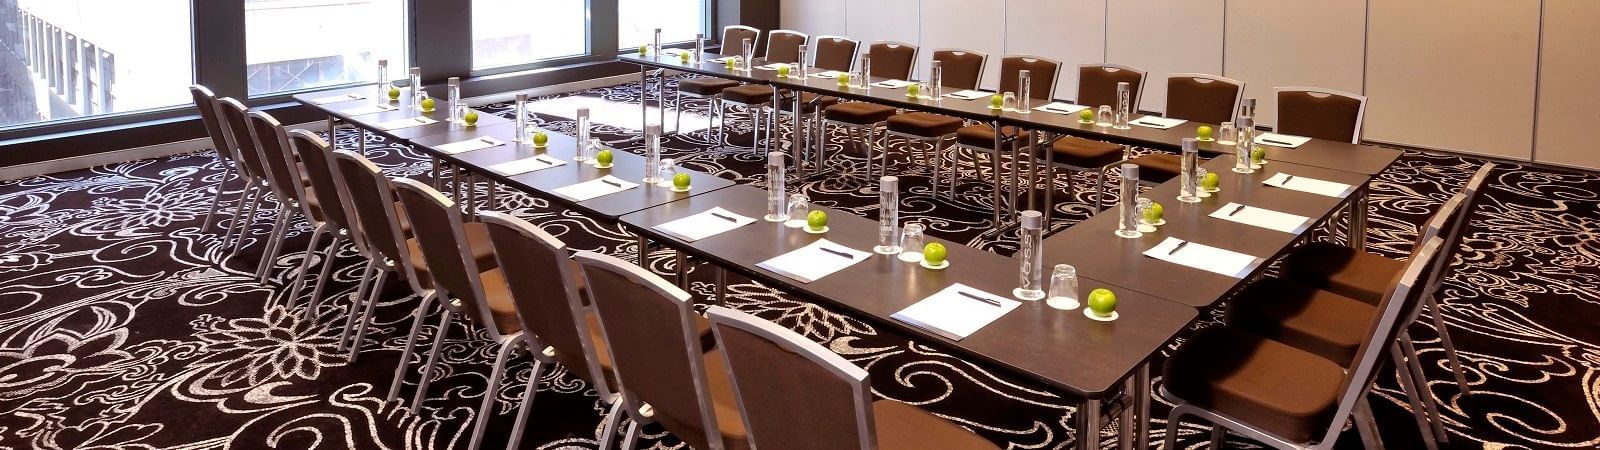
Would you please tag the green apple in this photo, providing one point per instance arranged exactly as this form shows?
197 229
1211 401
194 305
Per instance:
603 158
1154 214
683 56
644 50
394 93
911 90
1086 116
540 139
817 220
1102 302
934 253
997 101
730 63
1210 181
1258 154
783 71
681 181
1204 132
428 104
471 118
844 79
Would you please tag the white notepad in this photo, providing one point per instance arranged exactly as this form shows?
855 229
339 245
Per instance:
605 185
706 224
1157 122
954 313
812 262
1281 140
1309 185
369 109
525 165
469 145
893 84
968 94
772 66
1060 108
401 124
1204 257
1262 217
828 74
336 99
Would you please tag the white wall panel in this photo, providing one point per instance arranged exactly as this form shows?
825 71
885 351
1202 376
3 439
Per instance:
1163 37
812 17
883 20
965 24
1569 90
1271 43
1070 31
1437 68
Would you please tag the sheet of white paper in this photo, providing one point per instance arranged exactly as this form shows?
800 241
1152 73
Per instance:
1281 140
605 185
772 66
469 145
369 109
1262 217
721 60
400 124
955 316
1204 257
525 165
336 99
812 262
706 224
969 94
1060 108
893 84
1309 185
1157 122
828 74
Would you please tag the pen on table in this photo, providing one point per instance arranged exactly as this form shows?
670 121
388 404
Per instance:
613 183
422 120
978 298
540 158
1270 141
836 252
719 216
1178 247
1286 178
489 141
1236 210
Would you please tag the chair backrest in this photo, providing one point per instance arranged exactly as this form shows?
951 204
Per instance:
961 69
834 53
543 285
206 102
313 151
793 393
1320 113
733 37
1041 71
436 225
656 356
895 60
1203 98
1450 231
783 46
1097 84
236 127
371 197
272 145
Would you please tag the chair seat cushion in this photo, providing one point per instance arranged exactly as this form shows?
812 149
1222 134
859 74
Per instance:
924 124
477 237
1270 385
905 427
982 136
1307 318
809 102
859 113
1084 153
705 86
1158 167
1347 271
749 94
501 306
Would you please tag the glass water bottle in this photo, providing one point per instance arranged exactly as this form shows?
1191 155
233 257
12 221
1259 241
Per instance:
1124 105
583 135
521 118
655 47
699 47
801 65
1247 108
748 54
864 79
936 80
1024 91
1030 256
888 216
1064 287
1128 209
652 154
776 211
458 109
383 80
416 88
1241 149
1189 190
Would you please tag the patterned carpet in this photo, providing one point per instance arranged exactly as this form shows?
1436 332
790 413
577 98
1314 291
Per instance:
119 329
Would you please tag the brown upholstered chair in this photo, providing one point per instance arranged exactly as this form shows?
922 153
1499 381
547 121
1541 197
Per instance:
1320 113
458 282
1097 85
710 88
958 69
827 53
1042 74
369 198
797 395
1195 97
206 103
1280 395
783 46
235 123
660 368
334 221
892 60
287 182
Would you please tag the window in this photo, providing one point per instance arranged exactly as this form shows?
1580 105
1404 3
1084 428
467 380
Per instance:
679 21
293 45
61 59
503 35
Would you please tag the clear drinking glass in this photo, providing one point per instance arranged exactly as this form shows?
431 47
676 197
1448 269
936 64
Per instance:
863 80
1143 205
521 118
1008 101
888 216
652 153
592 150
583 135
1227 134
1030 255
383 80
1103 118
747 58
416 88
1188 190
776 211
423 97
1200 174
911 242
935 81
1064 287
1124 105
458 109
668 168
1024 92
1241 149
799 208
1127 211
922 90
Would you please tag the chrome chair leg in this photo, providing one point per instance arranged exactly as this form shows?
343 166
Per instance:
239 207
528 391
366 317
433 360
280 230
244 222
357 302
411 344
1219 435
1366 425
305 264
486 407
1430 404
325 277
216 200
677 121
631 441
1414 395
1436 310
608 430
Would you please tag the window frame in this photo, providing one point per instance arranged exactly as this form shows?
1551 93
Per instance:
587 56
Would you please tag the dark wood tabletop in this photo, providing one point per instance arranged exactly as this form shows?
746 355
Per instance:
1098 253
441 112
1061 348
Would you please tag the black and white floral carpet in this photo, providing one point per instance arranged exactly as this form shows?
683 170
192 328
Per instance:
124 325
